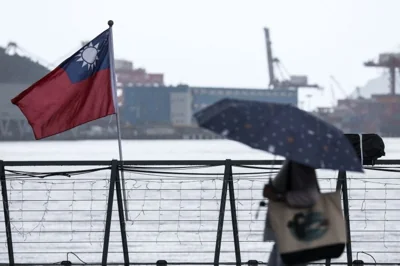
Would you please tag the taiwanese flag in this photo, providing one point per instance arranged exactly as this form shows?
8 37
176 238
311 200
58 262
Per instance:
79 90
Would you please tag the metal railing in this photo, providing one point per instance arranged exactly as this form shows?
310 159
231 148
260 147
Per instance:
179 212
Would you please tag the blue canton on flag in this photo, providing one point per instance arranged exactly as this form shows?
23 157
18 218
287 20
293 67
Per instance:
91 58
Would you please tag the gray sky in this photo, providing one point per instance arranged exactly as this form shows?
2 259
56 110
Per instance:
217 42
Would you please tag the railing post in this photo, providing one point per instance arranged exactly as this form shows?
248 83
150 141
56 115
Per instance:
114 172
233 213
114 167
221 216
6 214
343 177
339 185
339 182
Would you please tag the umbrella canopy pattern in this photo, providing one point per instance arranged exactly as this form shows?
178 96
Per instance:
283 130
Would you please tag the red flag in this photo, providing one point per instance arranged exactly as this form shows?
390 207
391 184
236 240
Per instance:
78 91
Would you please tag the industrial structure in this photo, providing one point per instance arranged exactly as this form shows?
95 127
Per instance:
149 108
293 81
378 114
171 109
176 105
390 61
127 75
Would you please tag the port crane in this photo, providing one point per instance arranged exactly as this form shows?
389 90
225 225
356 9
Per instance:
389 61
291 81
13 48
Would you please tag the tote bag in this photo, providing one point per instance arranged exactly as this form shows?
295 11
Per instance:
309 234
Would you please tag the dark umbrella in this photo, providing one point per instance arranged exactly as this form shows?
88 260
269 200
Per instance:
281 129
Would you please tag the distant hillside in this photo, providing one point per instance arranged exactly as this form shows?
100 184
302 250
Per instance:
18 69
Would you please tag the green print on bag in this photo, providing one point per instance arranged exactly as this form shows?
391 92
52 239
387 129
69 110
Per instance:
308 226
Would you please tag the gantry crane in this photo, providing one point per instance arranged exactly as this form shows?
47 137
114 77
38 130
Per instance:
390 61
292 81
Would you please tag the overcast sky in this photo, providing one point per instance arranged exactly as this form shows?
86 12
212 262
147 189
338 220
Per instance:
217 43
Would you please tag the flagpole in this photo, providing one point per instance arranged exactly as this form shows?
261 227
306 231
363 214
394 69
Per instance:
114 89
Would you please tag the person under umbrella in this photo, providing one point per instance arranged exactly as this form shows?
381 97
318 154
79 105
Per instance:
306 141
296 185
283 130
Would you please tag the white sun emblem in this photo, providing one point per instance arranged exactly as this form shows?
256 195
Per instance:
88 55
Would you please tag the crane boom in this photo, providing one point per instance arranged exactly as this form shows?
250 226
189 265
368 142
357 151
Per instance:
291 81
270 59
